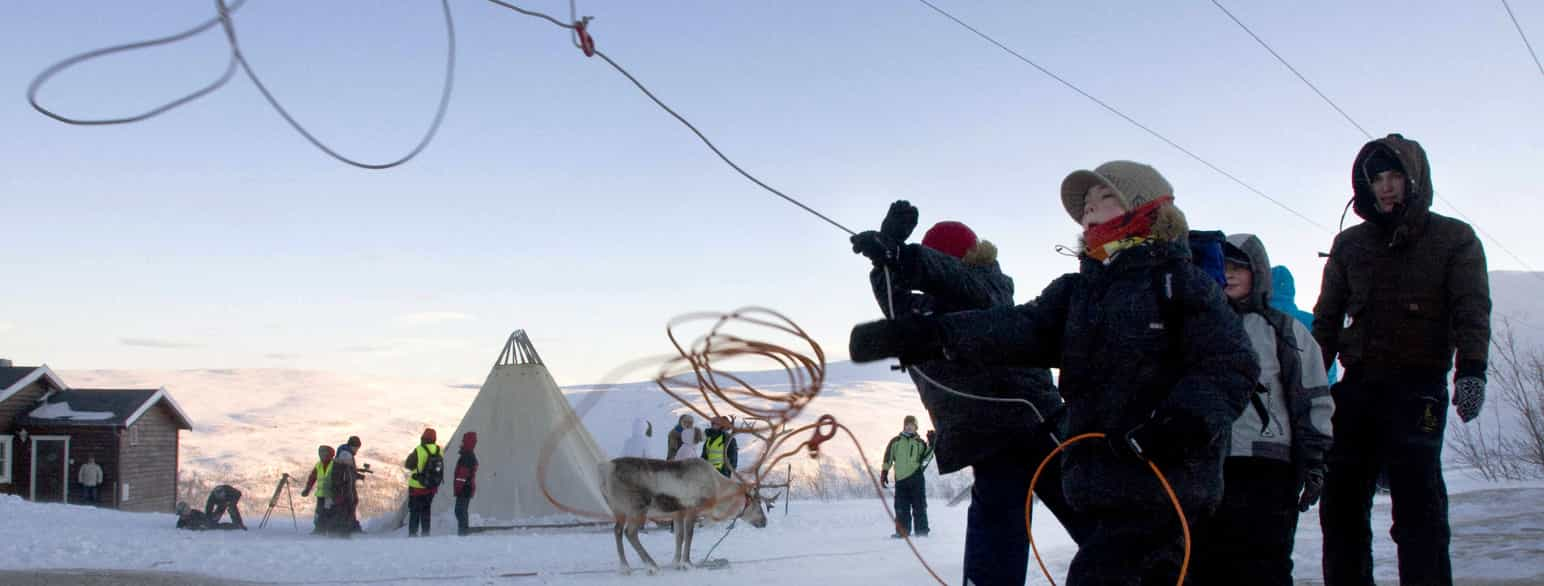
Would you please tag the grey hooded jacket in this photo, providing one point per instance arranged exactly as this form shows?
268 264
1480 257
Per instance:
1288 418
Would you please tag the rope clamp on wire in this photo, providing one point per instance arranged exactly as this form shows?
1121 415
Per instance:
586 42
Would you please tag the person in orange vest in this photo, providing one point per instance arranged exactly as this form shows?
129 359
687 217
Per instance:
318 479
427 466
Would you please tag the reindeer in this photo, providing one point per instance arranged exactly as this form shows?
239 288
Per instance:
638 488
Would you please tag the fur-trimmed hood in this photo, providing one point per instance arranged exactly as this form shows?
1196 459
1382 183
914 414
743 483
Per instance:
984 253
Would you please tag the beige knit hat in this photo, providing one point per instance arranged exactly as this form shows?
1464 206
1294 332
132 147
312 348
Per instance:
1134 183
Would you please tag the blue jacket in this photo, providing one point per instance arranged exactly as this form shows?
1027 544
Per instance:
1283 299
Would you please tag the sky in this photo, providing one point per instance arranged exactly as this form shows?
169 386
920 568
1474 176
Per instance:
557 199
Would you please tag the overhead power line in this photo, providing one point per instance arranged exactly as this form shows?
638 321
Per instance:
1363 130
1122 115
1520 33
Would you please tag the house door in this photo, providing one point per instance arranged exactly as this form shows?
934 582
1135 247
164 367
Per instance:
50 468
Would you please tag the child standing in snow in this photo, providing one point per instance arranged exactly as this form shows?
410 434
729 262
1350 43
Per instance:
1275 467
465 481
1150 355
685 440
426 464
90 478
319 479
909 455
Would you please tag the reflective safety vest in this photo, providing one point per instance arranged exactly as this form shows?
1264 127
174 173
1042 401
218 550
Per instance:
423 453
323 480
715 450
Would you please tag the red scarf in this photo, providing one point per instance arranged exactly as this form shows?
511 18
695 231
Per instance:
1104 240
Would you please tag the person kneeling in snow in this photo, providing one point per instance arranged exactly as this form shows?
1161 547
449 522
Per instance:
909 455
1150 355
1275 467
224 498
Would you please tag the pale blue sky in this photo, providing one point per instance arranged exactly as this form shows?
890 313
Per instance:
558 199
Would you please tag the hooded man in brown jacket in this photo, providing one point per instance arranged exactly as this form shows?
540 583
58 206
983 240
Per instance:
1403 291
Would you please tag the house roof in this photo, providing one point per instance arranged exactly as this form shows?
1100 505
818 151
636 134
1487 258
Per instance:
15 378
102 408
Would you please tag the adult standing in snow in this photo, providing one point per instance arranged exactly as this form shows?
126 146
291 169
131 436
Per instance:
344 502
319 479
909 455
952 271
427 467
1284 299
351 446
1150 355
90 477
720 448
685 441
1404 292
637 444
1275 467
465 486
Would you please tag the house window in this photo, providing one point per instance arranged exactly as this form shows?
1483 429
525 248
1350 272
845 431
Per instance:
134 435
5 459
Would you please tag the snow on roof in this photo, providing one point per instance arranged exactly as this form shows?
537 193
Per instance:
62 410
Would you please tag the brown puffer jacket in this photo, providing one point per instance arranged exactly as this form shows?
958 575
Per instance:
1403 290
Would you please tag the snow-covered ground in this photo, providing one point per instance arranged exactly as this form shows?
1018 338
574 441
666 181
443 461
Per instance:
1498 537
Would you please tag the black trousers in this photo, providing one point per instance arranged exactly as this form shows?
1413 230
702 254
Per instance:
463 524
1130 547
418 513
911 504
1397 424
1249 539
996 545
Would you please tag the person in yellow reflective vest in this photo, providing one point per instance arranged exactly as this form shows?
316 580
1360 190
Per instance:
319 479
720 449
909 455
427 466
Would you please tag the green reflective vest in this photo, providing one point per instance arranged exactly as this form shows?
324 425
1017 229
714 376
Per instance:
715 450
423 453
323 480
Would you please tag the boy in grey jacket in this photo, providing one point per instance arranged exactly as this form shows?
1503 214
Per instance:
1276 463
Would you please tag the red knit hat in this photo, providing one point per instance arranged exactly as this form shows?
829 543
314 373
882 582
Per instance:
429 436
951 238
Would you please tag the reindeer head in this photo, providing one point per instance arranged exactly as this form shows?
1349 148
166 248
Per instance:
755 511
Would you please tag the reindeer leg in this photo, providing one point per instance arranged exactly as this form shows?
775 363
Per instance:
632 536
677 523
691 531
623 569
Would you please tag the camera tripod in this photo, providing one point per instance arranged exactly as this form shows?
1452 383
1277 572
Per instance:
283 486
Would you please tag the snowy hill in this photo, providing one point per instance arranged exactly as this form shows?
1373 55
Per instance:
252 425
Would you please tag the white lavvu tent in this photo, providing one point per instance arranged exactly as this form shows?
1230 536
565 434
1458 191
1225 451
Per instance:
515 413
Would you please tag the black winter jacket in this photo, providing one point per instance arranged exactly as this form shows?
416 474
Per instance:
969 430
1104 327
1402 292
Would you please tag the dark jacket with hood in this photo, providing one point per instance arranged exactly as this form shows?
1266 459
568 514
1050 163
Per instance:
466 467
1403 290
1289 417
1120 359
969 430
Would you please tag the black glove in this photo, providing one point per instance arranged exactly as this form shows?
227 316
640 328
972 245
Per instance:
1164 439
884 478
305 493
1313 487
900 221
881 249
932 434
1469 397
912 339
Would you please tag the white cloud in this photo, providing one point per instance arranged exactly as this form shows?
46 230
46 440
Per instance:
426 318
